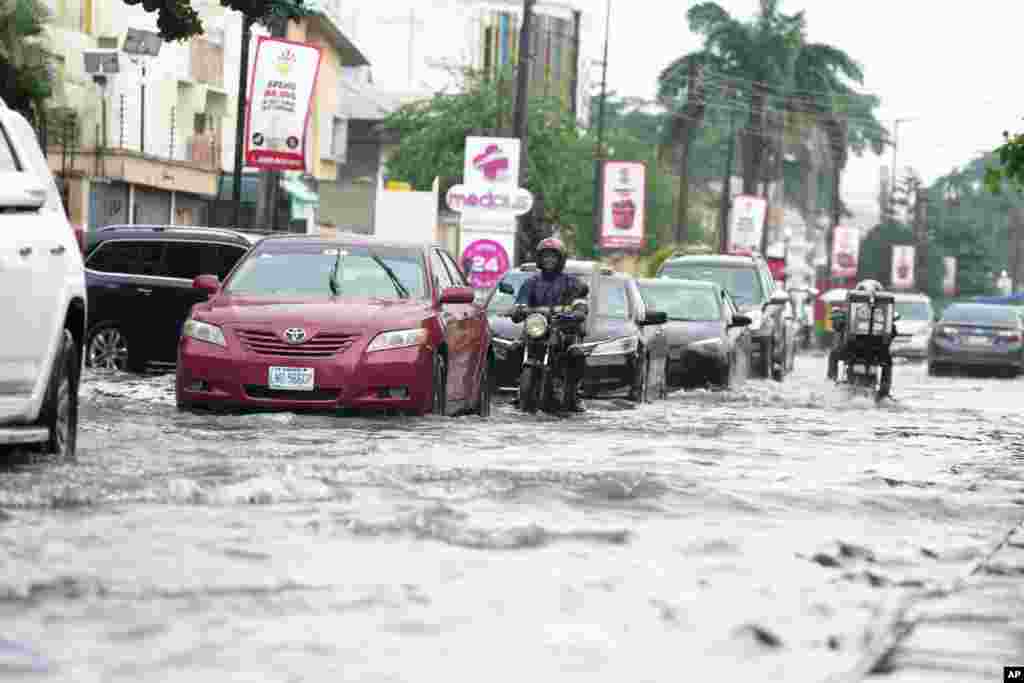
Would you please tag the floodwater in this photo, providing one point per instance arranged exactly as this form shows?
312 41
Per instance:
775 532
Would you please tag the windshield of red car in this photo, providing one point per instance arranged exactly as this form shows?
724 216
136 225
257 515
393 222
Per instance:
324 270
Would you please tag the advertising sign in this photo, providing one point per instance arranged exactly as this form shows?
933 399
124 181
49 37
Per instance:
845 250
283 77
486 205
622 213
491 161
484 261
746 224
949 275
902 266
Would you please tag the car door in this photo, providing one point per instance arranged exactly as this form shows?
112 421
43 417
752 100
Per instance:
652 337
453 318
473 324
184 261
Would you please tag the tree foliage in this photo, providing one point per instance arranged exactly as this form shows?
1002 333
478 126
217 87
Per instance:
25 67
177 19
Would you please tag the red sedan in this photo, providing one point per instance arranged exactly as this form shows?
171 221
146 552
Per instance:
309 323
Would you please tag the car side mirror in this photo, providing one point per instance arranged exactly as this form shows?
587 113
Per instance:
21 191
207 283
506 288
655 318
740 320
458 295
896 316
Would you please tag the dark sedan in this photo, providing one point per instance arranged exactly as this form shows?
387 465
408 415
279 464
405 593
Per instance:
977 335
624 341
708 339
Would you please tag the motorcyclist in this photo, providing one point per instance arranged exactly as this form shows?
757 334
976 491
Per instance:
840 321
551 287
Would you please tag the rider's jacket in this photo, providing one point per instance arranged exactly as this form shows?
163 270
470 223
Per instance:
545 289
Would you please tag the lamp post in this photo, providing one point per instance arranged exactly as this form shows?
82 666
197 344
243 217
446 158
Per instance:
599 152
142 44
243 85
895 146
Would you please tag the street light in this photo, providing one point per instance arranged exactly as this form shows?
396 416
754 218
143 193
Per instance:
101 63
895 145
143 44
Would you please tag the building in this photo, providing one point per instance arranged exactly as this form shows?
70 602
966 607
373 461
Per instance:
155 142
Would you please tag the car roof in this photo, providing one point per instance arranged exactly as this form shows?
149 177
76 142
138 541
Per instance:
911 296
678 282
715 259
350 239
136 230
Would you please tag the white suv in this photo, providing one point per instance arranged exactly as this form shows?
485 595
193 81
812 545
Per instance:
42 298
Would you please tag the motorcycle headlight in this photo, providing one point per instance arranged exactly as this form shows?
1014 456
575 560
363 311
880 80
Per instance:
615 347
536 325
398 339
204 332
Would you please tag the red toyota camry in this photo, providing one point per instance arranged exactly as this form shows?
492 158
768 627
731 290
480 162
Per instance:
303 322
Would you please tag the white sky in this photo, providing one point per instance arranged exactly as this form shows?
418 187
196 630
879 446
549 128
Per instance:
951 65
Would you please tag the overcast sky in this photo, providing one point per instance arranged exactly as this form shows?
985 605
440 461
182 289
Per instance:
946 64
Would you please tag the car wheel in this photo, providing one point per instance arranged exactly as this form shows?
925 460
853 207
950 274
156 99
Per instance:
638 392
439 391
483 408
107 348
934 370
60 411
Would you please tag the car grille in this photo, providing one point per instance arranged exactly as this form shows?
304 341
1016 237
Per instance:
320 346
260 391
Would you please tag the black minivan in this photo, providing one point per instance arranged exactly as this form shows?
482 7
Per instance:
139 286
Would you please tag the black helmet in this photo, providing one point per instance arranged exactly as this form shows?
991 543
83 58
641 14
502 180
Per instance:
552 244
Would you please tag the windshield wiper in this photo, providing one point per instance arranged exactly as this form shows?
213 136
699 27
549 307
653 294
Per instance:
333 282
402 291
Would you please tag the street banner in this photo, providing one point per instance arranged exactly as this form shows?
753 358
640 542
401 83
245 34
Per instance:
622 204
281 91
746 224
845 251
902 266
949 275
489 162
484 261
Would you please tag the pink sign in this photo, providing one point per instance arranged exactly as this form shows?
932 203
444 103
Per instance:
484 262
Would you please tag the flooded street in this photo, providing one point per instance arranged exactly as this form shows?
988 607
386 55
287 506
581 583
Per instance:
763 532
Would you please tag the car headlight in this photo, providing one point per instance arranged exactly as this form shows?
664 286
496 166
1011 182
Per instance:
536 325
398 339
205 332
615 347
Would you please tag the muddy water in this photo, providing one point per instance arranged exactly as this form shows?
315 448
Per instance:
754 532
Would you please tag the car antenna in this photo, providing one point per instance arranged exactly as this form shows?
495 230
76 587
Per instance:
333 282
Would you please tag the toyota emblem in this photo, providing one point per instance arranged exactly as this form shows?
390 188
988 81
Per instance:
295 335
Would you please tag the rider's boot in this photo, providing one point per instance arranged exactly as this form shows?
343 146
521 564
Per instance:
576 404
833 364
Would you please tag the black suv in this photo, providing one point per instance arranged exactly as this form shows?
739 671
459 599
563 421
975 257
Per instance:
749 281
139 285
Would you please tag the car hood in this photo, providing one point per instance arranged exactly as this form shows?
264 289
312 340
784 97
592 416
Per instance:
352 316
912 327
598 328
682 332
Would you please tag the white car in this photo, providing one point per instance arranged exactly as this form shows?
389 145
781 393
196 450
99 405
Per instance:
42 298
914 327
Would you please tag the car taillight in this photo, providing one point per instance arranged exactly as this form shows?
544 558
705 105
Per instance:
1009 337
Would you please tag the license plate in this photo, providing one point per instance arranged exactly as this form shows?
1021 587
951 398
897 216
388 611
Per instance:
293 379
976 341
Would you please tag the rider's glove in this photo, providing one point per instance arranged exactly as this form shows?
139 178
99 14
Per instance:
518 313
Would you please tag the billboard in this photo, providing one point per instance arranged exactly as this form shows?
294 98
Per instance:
949 275
845 251
491 161
281 90
623 197
746 224
902 276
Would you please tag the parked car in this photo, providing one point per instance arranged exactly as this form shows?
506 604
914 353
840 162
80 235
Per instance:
977 335
914 328
43 298
750 282
353 322
707 337
139 280
624 342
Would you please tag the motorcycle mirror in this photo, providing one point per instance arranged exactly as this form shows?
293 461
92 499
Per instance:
506 288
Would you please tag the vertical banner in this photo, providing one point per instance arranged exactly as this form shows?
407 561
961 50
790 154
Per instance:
280 95
623 199
746 224
902 266
949 275
845 250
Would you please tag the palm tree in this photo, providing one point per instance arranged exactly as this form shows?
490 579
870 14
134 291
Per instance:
25 69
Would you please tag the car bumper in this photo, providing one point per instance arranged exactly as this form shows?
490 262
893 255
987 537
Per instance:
909 347
213 376
946 353
692 365
609 373
508 362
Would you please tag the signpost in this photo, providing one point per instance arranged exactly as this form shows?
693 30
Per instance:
623 200
746 224
902 276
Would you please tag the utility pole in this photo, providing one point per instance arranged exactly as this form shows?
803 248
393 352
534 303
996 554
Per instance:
692 112
921 239
521 113
240 132
269 179
574 87
723 207
599 152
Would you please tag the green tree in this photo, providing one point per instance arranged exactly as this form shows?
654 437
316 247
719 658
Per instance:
25 69
178 20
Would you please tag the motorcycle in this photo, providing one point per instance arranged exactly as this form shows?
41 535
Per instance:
551 335
865 332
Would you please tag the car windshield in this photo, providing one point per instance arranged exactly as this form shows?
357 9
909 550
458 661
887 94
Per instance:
981 314
742 283
501 301
612 301
914 310
330 269
682 303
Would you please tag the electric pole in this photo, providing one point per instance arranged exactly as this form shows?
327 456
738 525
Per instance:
599 151
723 207
521 115
692 113
921 239
243 84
